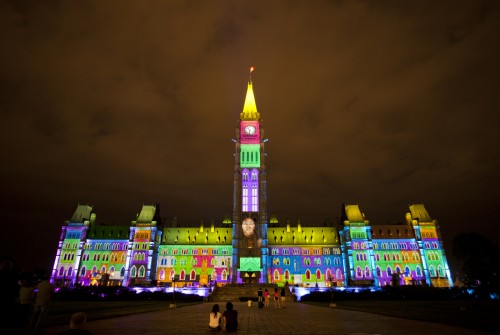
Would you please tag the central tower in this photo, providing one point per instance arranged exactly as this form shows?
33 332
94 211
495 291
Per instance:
249 196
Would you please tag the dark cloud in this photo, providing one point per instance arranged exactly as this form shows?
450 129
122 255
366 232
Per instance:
123 103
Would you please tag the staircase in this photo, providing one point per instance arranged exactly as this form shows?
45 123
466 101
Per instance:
240 292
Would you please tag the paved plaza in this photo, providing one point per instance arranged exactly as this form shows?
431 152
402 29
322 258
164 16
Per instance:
297 318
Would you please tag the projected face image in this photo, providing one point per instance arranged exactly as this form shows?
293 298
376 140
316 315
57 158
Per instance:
248 227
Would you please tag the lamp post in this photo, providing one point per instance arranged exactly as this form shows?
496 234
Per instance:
173 292
331 292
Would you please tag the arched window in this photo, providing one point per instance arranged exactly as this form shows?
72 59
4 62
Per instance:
287 275
308 274
162 275
367 272
276 274
338 274
440 271
407 271
358 272
142 271
133 271
103 269
61 271
122 272
419 271
94 270
328 274
82 271
318 274
183 275
70 271
389 271
378 272
193 275
398 269
432 271
224 274
112 271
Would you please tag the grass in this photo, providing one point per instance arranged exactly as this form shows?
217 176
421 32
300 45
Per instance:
482 315
61 311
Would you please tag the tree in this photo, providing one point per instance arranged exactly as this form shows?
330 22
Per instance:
479 259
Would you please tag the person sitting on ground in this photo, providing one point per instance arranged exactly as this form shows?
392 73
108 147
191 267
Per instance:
76 324
230 318
215 318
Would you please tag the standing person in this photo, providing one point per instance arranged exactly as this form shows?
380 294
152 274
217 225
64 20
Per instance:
42 300
215 318
9 291
76 324
26 301
267 297
283 297
230 318
259 294
276 298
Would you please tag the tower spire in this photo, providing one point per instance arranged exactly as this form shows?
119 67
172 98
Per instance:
250 107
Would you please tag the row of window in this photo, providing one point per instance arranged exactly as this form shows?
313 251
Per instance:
216 261
69 245
192 275
105 257
195 252
106 246
141 236
431 245
306 251
397 257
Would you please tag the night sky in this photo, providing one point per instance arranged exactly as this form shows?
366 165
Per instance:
124 103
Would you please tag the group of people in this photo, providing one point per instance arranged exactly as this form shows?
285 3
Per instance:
278 297
25 306
25 303
228 320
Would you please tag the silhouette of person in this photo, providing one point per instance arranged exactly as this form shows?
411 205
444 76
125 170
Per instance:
76 324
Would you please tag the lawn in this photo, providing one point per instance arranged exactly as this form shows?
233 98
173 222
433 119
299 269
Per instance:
61 311
483 315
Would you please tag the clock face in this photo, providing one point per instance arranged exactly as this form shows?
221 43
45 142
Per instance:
249 130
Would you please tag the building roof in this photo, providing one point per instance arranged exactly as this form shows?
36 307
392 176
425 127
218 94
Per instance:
147 214
302 236
418 212
400 231
83 213
354 214
100 232
196 235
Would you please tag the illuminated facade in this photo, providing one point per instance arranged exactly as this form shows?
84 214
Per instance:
246 247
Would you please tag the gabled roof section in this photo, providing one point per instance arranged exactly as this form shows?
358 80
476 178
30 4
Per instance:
250 107
354 214
148 215
108 233
399 231
418 212
82 214
303 236
193 236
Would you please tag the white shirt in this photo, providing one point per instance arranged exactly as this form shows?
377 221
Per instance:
214 320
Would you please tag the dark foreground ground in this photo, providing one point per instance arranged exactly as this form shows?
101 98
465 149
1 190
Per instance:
445 317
